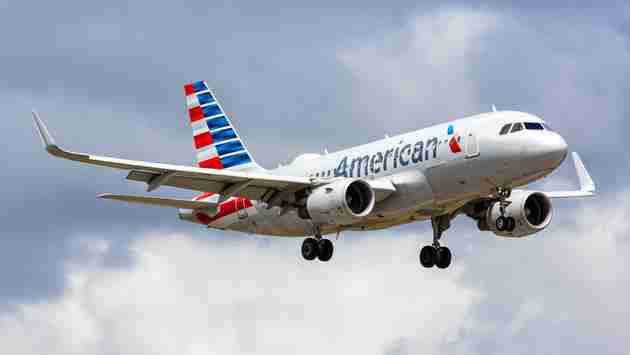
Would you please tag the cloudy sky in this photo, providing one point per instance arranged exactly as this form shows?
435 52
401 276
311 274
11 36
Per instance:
84 276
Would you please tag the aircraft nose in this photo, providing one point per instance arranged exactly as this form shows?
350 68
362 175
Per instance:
553 149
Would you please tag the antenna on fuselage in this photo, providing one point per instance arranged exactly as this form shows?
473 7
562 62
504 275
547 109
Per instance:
494 108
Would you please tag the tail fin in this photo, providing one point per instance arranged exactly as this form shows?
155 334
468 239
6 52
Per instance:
217 143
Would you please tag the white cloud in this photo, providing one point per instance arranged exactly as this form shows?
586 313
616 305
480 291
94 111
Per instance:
191 296
187 296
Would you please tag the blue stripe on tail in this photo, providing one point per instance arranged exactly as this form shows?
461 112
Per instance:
234 160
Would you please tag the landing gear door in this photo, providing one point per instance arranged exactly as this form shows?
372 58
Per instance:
472 145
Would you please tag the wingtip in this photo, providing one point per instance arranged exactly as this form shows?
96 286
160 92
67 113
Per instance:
586 182
45 136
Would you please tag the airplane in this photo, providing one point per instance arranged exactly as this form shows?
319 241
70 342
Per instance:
470 166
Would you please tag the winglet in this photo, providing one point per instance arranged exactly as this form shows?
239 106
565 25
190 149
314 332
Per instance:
50 145
44 135
587 186
586 183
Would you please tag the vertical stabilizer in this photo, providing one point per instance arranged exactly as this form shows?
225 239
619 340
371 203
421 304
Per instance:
217 143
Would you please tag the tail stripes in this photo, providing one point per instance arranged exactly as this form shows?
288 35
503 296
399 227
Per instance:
216 141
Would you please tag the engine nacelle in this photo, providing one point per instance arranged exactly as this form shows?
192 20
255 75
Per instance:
341 202
530 210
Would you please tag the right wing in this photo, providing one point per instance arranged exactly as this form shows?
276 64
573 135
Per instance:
587 186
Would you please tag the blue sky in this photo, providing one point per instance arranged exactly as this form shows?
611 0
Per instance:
88 276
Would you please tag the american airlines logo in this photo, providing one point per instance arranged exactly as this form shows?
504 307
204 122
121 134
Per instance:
401 155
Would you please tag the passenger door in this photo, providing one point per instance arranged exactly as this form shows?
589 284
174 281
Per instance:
472 145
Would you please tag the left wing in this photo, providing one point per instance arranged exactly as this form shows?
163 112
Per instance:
257 186
269 188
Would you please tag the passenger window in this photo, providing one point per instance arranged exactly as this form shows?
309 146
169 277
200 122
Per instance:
517 127
533 126
505 129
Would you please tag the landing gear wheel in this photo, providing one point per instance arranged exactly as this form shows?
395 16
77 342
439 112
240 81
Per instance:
325 247
443 257
511 224
310 248
501 223
427 256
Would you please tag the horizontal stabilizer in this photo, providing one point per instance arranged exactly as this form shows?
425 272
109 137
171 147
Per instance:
160 201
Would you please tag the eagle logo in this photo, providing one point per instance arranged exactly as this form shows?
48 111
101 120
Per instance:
453 143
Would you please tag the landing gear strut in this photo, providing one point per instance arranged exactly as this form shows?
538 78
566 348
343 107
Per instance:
435 254
504 223
317 248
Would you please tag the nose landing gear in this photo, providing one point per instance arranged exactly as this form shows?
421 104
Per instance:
435 254
502 222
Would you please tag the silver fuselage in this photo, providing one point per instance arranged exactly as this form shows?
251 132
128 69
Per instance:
432 174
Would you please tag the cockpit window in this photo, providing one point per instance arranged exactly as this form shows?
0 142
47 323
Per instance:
533 126
505 129
517 127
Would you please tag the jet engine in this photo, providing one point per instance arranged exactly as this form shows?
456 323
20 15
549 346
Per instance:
340 202
526 213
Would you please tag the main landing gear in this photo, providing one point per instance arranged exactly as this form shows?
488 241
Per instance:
317 248
503 223
435 254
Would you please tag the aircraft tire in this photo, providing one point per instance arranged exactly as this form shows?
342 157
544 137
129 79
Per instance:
310 249
443 257
326 249
427 256
511 224
501 223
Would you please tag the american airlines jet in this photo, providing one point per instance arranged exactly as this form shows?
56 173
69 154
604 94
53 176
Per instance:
471 166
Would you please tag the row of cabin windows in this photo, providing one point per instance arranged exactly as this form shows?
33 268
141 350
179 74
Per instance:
322 174
518 126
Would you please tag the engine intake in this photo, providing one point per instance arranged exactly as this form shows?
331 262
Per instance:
341 202
530 210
